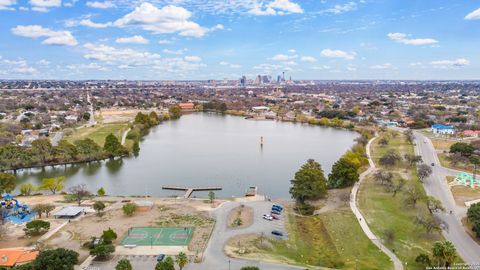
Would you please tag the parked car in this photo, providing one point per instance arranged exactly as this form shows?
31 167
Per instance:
275 216
275 212
277 233
160 257
433 164
267 217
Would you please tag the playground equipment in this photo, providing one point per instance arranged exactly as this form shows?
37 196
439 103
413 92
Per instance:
465 179
14 208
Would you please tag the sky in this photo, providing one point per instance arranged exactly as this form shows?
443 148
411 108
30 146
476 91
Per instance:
218 39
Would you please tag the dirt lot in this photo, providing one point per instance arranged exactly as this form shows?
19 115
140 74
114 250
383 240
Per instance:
245 214
112 115
463 194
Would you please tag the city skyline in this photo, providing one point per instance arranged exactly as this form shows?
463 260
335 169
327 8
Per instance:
209 39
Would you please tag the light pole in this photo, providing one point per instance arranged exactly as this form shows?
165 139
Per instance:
228 264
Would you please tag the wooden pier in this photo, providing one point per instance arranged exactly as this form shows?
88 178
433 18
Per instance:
190 190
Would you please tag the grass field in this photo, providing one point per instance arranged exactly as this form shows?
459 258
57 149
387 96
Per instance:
99 132
157 236
333 239
384 212
443 157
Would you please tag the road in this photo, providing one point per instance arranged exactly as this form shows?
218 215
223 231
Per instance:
397 264
437 186
215 257
91 121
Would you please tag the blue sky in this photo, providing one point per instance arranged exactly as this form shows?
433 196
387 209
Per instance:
216 39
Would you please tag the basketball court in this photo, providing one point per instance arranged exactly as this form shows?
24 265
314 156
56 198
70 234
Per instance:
158 236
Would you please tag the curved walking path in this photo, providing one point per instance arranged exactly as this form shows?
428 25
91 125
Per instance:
124 136
397 264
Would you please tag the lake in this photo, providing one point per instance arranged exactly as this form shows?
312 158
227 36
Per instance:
210 150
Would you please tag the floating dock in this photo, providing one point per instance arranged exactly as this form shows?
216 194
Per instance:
190 190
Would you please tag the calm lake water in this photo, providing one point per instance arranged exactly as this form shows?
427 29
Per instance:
210 150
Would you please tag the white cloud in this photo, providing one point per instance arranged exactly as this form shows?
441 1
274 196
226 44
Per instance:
133 39
6 4
403 38
44 5
284 57
90 23
90 66
292 51
192 58
339 9
457 63
230 65
310 59
51 37
164 42
276 7
267 67
177 52
382 66
474 15
25 70
166 20
338 54
110 54
101 5
43 62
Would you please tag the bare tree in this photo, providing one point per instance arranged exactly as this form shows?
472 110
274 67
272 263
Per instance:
423 171
397 187
383 177
79 193
413 195
428 222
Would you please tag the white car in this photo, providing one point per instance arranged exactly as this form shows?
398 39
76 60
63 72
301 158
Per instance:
267 217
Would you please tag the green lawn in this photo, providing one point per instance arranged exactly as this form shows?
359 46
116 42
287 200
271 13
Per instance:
333 240
99 132
385 212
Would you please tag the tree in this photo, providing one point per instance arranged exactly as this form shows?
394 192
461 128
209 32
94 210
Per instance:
409 135
66 151
423 171
175 112
413 159
79 193
27 188
211 196
98 206
36 227
434 205
42 148
108 236
390 158
53 184
56 259
123 264
397 187
249 268
113 147
463 148
428 222
309 182
102 251
101 192
424 260
344 173
136 148
88 149
389 236
383 177
167 264
444 253
383 141
473 215
413 194
129 209
182 260
7 183
43 208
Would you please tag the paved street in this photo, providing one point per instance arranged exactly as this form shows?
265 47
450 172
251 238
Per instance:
436 186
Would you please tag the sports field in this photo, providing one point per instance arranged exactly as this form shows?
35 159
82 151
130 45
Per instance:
158 236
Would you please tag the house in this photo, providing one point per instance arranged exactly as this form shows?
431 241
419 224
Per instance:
471 133
260 109
443 129
187 106
10 257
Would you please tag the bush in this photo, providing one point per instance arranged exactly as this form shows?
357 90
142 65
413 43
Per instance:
101 192
123 264
102 251
37 227
304 209
56 259
108 236
129 209
249 268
